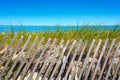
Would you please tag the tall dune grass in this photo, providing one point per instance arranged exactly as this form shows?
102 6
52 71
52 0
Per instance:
85 33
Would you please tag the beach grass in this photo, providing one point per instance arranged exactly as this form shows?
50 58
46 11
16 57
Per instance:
85 33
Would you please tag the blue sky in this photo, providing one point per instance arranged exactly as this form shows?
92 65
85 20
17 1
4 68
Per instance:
59 12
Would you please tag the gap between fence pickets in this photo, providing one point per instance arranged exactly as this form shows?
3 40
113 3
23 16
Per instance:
33 56
100 57
92 61
56 52
38 60
18 57
78 62
85 61
23 62
115 54
10 44
106 59
5 37
56 66
117 69
13 52
70 65
64 63
46 60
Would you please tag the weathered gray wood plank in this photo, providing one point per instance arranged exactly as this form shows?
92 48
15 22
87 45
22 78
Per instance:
64 63
28 65
18 57
14 50
85 62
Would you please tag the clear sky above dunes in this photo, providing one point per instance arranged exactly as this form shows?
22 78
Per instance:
63 12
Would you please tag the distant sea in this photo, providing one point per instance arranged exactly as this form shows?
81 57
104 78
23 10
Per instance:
9 28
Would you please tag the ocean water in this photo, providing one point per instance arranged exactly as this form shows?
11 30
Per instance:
9 28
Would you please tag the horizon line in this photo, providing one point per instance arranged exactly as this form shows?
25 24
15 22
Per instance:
62 25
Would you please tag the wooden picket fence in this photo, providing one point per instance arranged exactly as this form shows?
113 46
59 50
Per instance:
53 61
